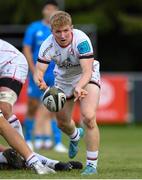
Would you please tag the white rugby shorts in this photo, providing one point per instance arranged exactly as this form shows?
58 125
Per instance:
68 85
14 67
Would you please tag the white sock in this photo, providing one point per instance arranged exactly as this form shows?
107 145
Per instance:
75 136
92 158
1 114
15 123
44 160
32 159
2 158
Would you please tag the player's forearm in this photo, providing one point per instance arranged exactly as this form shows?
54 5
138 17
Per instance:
28 54
41 67
39 74
86 65
39 71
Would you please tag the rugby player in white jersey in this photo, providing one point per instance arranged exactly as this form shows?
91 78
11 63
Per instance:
77 74
13 73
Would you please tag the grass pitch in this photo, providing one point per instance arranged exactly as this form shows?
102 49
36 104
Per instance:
120 156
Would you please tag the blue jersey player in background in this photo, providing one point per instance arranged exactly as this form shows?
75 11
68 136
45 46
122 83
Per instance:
35 34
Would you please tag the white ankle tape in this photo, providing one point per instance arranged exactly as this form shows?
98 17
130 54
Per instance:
1 114
8 96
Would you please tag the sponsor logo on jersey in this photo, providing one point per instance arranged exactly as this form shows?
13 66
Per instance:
47 49
84 47
67 64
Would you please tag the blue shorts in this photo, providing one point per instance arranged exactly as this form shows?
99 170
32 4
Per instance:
33 89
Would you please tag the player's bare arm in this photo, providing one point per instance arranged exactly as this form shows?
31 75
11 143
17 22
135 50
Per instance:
28 54
86 65
38 75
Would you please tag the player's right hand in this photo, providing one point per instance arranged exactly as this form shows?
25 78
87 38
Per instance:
79 93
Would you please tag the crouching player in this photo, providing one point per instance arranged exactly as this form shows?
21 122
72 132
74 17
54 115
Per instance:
10 159
77 74
13 72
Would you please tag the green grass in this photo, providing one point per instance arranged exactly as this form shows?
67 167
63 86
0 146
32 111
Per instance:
120 156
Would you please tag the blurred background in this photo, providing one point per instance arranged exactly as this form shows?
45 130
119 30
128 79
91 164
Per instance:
118 25
115 29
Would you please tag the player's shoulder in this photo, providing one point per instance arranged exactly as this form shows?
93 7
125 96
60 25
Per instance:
82 42
9 46
35 24
2 42
79 35
48 43
48 40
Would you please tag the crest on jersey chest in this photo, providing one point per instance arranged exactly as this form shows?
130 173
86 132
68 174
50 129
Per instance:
71 51
65 58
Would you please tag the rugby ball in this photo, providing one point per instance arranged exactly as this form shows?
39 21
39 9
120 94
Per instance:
54 99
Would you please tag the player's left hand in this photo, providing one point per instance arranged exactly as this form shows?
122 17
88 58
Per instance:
79 93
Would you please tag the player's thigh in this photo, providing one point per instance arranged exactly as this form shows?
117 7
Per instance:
65 114
90 103
33 105
7 99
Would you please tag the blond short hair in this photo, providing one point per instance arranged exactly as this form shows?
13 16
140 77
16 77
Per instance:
60 18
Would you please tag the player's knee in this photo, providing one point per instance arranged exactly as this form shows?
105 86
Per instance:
7 100
88 115
62 124
89 119
90 124
6 109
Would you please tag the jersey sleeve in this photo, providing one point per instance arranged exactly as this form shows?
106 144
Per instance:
44 53
84 47
29 35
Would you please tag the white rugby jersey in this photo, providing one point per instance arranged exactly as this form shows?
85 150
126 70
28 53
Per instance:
7 51
67 59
